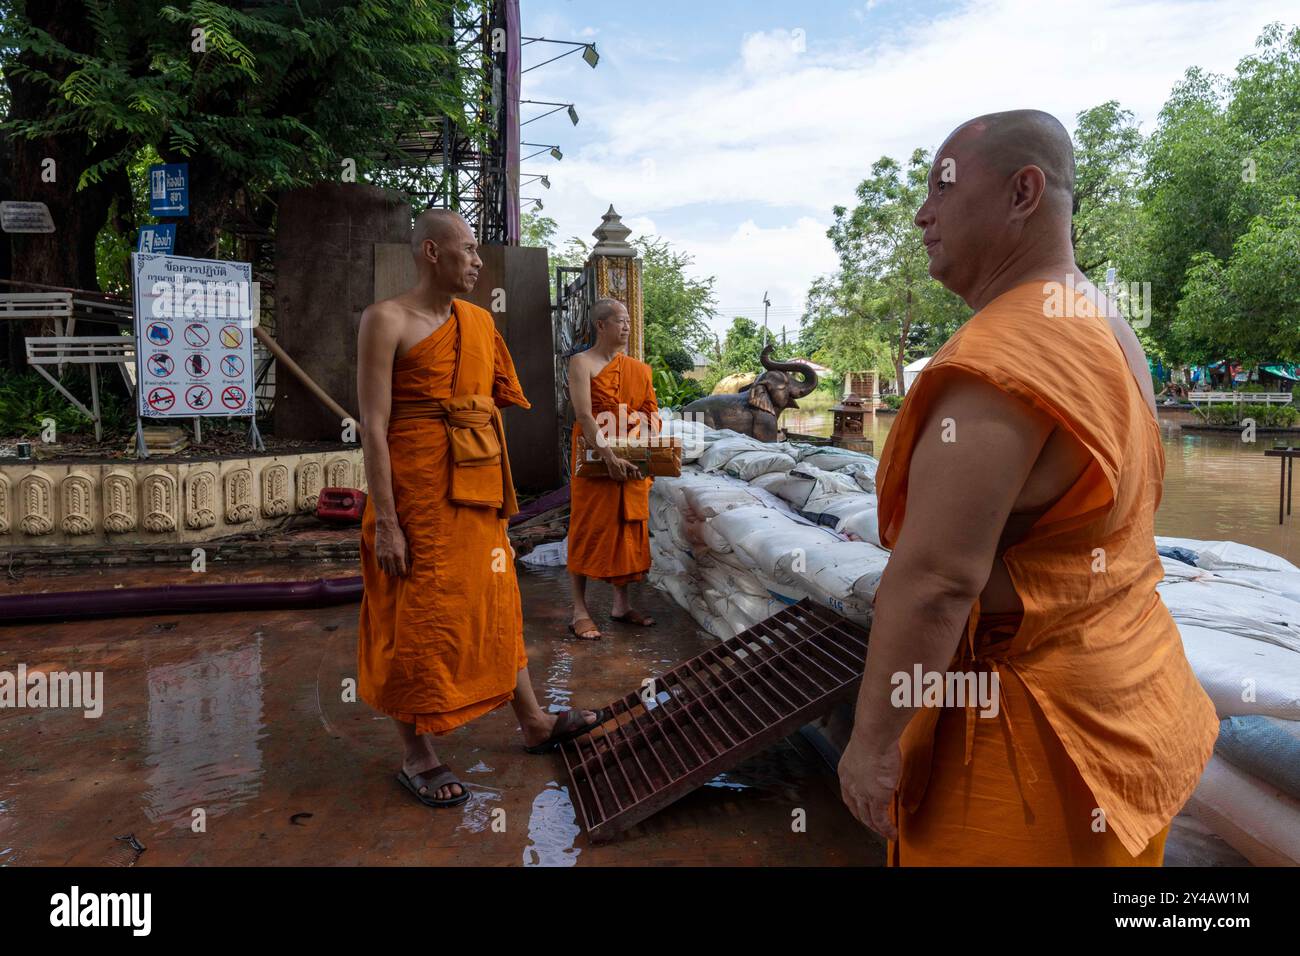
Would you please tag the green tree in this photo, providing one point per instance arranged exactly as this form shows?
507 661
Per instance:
1221 163
882 303
1247 307
677 306
1108 169
265 97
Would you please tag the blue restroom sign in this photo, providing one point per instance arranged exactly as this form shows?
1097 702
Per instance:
169 189
158 238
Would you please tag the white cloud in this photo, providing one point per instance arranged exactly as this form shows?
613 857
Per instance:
782 136
772 52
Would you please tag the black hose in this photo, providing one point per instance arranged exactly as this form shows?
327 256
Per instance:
179 598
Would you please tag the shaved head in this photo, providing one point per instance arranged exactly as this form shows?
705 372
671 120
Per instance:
605 308
445 251
1000 202
443 226
1012 140
610 322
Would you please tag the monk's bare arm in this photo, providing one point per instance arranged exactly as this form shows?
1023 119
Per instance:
580 395
377 342
959 495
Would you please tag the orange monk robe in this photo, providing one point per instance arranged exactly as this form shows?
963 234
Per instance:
609 536
443 645
1102 731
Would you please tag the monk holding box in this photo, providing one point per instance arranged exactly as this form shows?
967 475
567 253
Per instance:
613 401
441 631
1018 491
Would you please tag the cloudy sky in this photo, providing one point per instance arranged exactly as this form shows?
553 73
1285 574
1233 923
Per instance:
732 127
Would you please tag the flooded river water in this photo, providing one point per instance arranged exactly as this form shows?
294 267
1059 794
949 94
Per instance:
1217 487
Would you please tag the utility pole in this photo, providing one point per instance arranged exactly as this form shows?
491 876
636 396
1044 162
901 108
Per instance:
767 304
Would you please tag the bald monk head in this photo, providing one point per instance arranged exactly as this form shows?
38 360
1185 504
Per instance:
1000 202
612 325
445 251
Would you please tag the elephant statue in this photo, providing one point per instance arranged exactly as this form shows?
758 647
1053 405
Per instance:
755 409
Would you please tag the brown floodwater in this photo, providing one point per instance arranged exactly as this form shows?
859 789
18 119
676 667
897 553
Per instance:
1217 487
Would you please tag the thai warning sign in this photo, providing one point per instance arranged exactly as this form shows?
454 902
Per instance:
194 336
160 400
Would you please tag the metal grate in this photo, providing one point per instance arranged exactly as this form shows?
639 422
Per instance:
710 713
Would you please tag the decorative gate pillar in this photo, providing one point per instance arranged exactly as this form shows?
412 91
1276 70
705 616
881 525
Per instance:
617 271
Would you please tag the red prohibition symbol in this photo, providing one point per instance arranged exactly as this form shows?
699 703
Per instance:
196 335
231 336
232 396
198 396
161 399
159 333
161 365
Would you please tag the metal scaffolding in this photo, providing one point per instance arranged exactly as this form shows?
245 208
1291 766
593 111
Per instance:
456 167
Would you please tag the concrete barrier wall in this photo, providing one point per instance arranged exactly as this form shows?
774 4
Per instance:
71 504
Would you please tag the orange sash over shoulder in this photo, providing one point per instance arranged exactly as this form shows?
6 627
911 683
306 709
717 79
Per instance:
1097 652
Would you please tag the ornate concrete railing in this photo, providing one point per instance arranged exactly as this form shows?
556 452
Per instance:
66 504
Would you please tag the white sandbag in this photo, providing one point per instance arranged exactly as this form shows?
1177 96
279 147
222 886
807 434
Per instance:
709 502
750 464
693 436
792 487
727 579
1284 584
766 536
1176 570
681 587
746 610
1244 676
862 525
705 534
833 459
715 624
1244 611
840 506
721 452
1217 555
669 560
862 472
846 571
1257 820
552 554
769 482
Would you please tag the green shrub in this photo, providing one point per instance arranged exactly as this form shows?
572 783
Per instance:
26 399
1265 416
894 401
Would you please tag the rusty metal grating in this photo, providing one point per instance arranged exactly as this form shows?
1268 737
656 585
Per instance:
710 713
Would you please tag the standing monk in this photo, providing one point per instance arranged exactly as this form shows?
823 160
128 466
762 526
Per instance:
609 536
441 630
1018 491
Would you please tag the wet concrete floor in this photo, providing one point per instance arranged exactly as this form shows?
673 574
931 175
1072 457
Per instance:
238 719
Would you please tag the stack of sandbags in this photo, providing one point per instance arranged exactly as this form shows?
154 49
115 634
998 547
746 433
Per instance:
750 526
1238 611
1257 819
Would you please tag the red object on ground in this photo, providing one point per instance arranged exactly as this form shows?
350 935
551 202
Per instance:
341 505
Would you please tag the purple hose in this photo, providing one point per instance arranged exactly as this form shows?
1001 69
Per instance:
179 598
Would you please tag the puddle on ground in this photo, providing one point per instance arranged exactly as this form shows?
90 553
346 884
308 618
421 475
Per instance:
204 728
552 828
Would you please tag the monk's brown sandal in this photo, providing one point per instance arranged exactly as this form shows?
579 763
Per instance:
432 781
584 625
568 725
633 617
